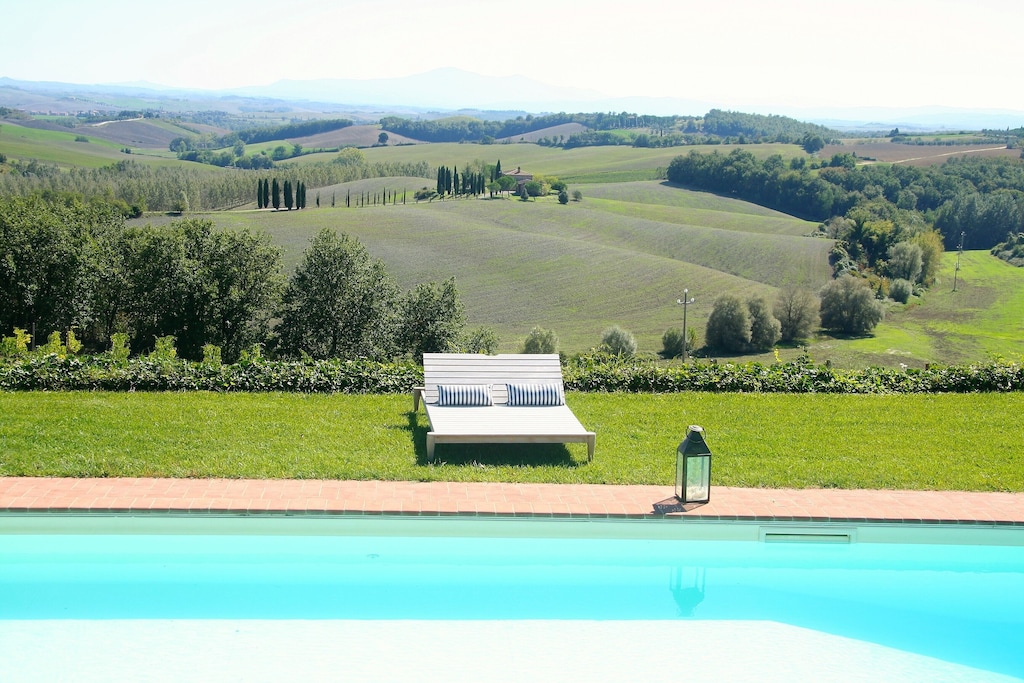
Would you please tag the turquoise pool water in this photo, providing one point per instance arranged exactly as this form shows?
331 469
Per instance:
954 602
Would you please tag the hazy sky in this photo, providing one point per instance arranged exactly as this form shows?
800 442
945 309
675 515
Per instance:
730 52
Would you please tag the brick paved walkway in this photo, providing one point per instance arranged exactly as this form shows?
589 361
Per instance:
240 496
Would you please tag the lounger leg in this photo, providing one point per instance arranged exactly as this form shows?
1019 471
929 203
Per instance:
591 445
430 447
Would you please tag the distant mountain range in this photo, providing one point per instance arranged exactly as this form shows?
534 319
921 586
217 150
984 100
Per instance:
451 90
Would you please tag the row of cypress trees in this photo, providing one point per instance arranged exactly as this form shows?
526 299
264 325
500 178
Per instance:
269 194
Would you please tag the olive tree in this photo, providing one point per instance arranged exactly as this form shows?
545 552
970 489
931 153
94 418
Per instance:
765 330
618 341
797 311
905 262
849 306
541 341
728 327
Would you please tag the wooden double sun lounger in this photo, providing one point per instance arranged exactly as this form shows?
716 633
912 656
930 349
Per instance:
509 398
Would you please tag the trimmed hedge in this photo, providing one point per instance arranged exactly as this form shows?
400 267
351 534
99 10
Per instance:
588 373
54 373
802 376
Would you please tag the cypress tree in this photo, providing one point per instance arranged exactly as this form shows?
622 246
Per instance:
276 194
259 194
288 200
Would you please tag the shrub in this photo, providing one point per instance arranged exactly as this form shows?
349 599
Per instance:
15 346
541 341
901 290
672 343
119 350
482 340
848 305
618 342
728 326
797 312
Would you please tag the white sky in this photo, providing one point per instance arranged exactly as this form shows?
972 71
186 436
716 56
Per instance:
794 53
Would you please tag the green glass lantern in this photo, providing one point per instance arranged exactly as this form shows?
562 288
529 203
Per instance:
693 468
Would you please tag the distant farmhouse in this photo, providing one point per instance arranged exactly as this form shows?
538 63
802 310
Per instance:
520 177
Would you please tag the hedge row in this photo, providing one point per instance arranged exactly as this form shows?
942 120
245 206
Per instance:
590 373
54 373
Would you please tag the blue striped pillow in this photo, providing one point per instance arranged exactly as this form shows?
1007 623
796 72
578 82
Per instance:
464 394
535 395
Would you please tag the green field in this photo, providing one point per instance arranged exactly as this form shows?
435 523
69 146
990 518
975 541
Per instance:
758 440
62 148
983 318
57 147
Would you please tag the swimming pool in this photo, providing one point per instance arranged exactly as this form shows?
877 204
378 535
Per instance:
931 602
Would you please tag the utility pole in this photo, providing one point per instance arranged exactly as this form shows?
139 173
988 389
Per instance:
959 251
685 302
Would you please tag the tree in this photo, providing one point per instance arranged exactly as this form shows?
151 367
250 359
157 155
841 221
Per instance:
432 319
577 196
618 341
797 312
765 330
340 302
48 261
812 143
848 305
382 139
932 248
197 284
563 197
288 199
905 262
541 341
728 327
275 195
507 183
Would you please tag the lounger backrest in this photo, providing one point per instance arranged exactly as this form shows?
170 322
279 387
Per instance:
497 371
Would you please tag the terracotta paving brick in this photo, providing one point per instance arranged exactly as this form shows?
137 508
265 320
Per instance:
25 494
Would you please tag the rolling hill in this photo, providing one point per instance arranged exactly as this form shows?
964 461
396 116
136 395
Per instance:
576 269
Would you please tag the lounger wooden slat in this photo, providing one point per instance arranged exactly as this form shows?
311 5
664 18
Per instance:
497 423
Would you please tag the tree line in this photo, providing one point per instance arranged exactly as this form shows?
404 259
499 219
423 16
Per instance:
69 266
136 187
983 198
716 126
270 193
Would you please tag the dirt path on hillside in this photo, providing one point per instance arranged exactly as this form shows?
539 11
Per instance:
949 154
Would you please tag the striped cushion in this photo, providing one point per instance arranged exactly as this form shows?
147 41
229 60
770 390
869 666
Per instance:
535 395
463 394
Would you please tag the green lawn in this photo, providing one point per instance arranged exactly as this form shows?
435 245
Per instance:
947 441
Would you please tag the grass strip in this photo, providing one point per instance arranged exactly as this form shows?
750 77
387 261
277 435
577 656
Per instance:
940 441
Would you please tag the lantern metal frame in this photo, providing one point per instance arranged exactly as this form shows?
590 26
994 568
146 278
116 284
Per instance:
693 468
